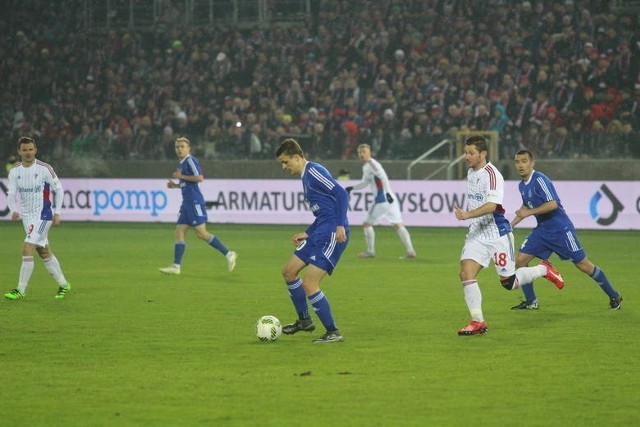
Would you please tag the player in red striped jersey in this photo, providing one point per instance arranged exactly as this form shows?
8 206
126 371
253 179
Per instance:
385 204
38 186
490 235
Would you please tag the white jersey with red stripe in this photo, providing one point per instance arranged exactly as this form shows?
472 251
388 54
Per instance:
486 185
38 186
374 176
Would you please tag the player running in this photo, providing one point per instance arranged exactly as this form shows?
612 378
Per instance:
555 233
490 236
193 212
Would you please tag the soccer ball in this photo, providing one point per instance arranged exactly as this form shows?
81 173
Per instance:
268 328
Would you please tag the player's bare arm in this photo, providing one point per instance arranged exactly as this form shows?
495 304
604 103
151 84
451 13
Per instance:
341 234
299 238
516 220
524 212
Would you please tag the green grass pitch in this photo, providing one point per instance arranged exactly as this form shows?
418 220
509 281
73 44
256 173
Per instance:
130 346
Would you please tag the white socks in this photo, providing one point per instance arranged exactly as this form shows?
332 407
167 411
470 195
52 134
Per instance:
405 238
370 239
25 273
53 267
473 298
526 275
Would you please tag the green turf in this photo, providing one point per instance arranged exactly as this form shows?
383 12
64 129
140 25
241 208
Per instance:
130 346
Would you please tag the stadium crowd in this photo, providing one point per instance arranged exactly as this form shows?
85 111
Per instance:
558 77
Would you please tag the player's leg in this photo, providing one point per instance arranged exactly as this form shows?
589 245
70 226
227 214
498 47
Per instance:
405 238
511 278
394 217
320 304
535 245
370 240
326 253
530 298
376 211
291 276
36 234
26 269
214 242
179 247
469 270
52 265
475 256
593 271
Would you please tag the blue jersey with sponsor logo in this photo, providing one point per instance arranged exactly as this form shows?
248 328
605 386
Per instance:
190 190
328 201
537 191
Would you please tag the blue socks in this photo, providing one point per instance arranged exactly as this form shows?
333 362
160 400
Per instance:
318 301
299 299
179 248
599 276
529 293
178 252
213 241
323 310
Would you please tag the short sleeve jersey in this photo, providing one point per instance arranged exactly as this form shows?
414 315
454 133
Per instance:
37 185
191 193
537 191
483 186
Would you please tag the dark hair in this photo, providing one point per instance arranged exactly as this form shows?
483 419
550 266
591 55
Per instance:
25 140
290 147
479 141
525 153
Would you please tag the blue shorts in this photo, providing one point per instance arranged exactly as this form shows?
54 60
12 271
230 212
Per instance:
564 243
192 214
322 250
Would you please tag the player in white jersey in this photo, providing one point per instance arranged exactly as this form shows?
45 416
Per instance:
36 182
385 204
490 236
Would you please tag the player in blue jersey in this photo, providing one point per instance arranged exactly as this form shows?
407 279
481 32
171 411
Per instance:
555 233
193 212
320 246
490 236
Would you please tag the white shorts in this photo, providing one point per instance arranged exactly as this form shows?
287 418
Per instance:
500 250
380 211
37 230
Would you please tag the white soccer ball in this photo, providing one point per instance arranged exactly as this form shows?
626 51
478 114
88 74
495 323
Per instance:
268 328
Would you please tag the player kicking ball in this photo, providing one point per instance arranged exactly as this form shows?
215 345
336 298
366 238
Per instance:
319 247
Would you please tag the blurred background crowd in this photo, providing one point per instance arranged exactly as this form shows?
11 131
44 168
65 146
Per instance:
558 77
